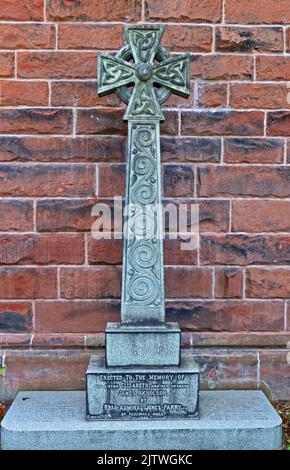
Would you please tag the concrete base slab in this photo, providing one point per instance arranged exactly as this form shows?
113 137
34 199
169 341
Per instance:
237 420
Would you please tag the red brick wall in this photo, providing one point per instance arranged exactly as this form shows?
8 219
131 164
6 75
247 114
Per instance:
62 150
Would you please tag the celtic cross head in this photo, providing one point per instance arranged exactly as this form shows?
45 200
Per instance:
143 74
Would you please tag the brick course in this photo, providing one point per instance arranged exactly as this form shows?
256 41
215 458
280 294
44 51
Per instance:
226 148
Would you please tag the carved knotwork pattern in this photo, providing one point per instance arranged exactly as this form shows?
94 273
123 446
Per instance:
144 262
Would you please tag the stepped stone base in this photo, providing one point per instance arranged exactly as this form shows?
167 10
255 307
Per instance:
57 420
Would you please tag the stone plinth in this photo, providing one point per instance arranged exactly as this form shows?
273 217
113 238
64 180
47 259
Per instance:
240 420
133 345
142 393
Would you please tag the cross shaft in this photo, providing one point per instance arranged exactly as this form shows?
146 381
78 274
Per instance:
133 73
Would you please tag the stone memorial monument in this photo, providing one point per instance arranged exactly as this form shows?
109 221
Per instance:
143 393
143 374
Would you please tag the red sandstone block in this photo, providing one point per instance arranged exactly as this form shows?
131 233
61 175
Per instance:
22 93
40 370
213 214
227 315
90 282
110 251
16 215
278 123
184 10
230 370
178 180
221 67
222 123
240 249
85 94
176 254
276 67
48 341
101 121
47 180
26 10
261 181
228 283
15 340
268 283
105 251
275 373
90 36
250 95
65 215
253 150
84 316
187 38
260 11
42 249
62 149
288 39
188 282
111 180
241 39
57 64
94 10
190 149
28 283
6 64
261 216
15 317
212 95
27 36
35 121
246 339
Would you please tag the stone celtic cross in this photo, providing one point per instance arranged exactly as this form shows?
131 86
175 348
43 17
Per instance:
143 74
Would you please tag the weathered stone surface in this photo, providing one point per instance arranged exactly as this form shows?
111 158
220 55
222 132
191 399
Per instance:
15 317
52 180
268 283
88 10
211 95
162 345
27 36
274 216
84 316
27 10
221 67
56 248
228 283
241 39
275 373
23 93
43 370
227 315
16 215
245 420
240 249
28 283
190 149
222 122
184 10
57 64
231 180
61 149
253 150
137 393
246 11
